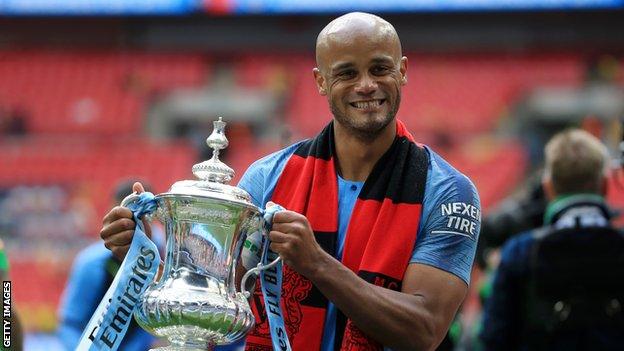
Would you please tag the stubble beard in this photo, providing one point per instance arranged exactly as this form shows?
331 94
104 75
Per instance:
368 131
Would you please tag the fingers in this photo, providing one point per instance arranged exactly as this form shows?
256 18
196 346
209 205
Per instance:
118 242
281 243
293 239
288 223
119 219
116 213
280 248
289 227
118 226
119 239
287 217
278 237
137 187
117 231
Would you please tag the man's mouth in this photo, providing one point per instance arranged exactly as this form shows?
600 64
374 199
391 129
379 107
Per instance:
368 104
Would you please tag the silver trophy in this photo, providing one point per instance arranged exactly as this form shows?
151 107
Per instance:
196 304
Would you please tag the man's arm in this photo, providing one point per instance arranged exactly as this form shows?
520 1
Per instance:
416 318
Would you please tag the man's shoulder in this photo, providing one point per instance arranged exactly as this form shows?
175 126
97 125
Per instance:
273 160
442 169
446 183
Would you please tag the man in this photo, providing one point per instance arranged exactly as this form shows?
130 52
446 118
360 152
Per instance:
91 275
560 287
379 233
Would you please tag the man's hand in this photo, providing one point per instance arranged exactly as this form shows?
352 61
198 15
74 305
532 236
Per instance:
118 228
293 239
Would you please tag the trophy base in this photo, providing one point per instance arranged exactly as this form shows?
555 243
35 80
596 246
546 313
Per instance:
173 348
182 348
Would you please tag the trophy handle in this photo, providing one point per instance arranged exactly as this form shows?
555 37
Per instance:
268 223
129 199
255 271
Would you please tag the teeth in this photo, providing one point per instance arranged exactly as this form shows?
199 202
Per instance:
367 104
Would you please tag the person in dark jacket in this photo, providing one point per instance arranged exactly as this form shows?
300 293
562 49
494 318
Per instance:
561 286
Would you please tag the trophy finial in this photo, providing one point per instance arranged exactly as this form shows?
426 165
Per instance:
214 170
217 140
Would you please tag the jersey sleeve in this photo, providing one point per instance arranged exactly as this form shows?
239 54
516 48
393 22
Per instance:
261 177
450 221
253 183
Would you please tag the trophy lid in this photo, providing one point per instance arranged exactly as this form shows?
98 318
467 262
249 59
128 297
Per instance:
213 175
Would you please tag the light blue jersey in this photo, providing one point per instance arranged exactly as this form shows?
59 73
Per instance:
449 224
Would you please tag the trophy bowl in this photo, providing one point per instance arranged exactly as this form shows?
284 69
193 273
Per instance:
197 304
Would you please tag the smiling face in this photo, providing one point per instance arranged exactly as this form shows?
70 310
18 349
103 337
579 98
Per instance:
361 71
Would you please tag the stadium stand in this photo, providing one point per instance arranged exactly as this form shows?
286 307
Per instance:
91 93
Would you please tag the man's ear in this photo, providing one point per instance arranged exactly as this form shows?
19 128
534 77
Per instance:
320 81
549 188
403 70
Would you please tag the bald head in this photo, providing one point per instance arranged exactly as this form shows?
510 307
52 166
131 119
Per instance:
347 29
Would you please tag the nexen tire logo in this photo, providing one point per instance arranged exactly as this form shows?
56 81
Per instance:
462 219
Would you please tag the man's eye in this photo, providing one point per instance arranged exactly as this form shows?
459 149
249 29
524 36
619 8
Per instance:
380 69
346 74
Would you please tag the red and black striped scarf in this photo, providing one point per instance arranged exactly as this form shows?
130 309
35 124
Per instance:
379 240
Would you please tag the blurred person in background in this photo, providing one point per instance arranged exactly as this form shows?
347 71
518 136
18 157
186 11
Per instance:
17 334
519 213
92 273
380 232
559 287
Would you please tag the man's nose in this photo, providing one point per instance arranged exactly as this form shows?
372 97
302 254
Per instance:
366 85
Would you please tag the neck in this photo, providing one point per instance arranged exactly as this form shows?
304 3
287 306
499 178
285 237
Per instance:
357 157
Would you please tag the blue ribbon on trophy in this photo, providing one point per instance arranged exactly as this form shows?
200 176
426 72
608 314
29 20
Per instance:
271 284
270 270
111 319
